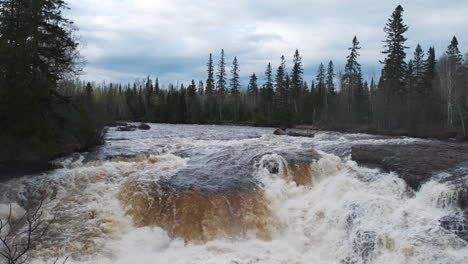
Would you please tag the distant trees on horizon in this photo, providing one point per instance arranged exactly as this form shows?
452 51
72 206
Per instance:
417 96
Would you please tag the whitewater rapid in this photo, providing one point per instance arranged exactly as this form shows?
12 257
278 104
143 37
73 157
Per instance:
107 204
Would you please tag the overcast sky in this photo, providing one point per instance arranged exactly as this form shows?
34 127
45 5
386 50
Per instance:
124 40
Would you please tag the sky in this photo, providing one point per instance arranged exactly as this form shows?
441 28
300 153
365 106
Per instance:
127 40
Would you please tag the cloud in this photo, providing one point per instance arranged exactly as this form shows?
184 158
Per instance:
129 39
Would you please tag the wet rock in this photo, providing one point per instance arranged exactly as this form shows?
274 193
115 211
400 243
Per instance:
415 163
144 126
280 132
456 223
117 124
127 128
272 166
294 133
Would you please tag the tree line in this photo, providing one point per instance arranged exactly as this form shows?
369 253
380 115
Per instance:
44 113
422 96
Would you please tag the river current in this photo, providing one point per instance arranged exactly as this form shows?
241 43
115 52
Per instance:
180 194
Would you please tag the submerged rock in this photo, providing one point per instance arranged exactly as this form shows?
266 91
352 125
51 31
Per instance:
415 163
127 128
144 126
294 133
456 223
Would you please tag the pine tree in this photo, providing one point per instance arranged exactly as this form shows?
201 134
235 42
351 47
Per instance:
234 82
201 88
352 81
418 70
252 89
221 76
37 51
210 83
430 67
394 71
157 89
321 86
281 94
192 90
296 80
267 90
330 79
453 53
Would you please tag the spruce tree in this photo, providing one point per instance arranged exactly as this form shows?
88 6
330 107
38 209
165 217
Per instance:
157 89
37 51
252 89
234 81
296 79
321 86
352 81
453 53
192 90
430 67
267 90
418 70
281 95
210 83
330 79
221 76
394 71
201 88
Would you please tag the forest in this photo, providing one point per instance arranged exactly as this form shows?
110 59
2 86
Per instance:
422 96
45 111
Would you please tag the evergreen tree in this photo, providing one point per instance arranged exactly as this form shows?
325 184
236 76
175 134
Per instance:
252 89
430 67
156 86
192 90
201 88
281 102
352 81
394 71
321 87
453 52
234 82
210 83
330 79
267 90
37 51
296 80
418 70
221 76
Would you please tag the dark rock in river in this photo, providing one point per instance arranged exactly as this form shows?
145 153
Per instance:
294 133
415 163
127 128
280 132
144 126
117 124
232 169
456 223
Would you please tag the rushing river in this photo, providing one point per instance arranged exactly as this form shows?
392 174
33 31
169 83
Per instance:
218 194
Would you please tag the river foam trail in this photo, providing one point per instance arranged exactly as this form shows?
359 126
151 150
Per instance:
213 194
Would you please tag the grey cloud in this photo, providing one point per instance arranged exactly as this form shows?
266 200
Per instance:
128 39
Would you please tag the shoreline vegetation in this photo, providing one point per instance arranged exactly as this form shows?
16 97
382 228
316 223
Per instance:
45 113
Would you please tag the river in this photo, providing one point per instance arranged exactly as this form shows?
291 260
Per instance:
224 194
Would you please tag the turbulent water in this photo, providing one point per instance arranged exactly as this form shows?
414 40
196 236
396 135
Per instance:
218 194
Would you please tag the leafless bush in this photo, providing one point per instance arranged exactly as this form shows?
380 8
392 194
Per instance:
18 236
